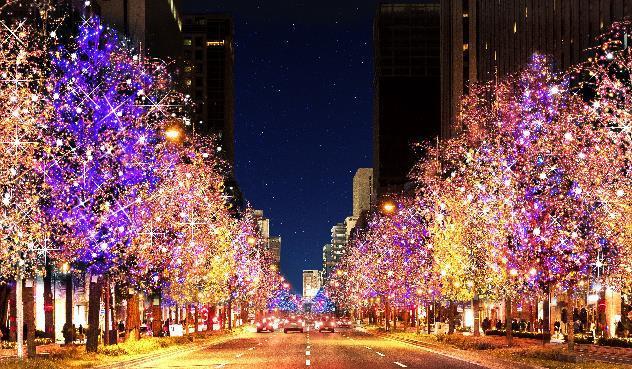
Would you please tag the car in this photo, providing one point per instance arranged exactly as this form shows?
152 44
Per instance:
344 323
294 323
326 324
266 324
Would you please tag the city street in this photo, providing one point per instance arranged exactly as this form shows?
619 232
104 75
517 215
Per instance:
344 349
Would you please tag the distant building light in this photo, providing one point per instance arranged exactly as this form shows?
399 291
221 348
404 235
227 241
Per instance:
215 43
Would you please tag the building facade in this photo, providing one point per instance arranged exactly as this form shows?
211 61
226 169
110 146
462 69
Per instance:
362 190
406 89
153 25
274 246
312 282
333 252
485 39
209 58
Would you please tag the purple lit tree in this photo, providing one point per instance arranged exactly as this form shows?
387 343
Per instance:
102 150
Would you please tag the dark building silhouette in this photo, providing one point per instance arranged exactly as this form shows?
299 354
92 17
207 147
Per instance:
153 25
406 88
209 76
482 39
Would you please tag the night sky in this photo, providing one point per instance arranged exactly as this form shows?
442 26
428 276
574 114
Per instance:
303 89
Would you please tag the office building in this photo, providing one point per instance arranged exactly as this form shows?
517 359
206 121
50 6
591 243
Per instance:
153 25
274 246
485 39
406 88
362 190
333 251
312 282
209 58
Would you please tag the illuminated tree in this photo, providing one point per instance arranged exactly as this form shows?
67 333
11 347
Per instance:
102 152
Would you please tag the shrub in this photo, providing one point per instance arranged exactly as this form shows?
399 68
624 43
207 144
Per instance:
517 334
615 342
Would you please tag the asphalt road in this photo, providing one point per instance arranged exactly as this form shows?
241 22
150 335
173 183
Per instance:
343 349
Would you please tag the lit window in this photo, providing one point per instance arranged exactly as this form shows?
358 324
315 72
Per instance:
187 42
188 82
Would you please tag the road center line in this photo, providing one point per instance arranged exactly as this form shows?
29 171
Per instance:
379 353
400 364
308 353
308 363
250 349
367 347
239 355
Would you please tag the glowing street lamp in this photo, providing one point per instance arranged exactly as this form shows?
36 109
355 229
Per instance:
388 207
251 240
174 134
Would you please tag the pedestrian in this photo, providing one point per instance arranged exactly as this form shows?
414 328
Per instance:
499 325
80 329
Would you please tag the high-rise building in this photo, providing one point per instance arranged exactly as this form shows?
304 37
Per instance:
153 25
333 252
483 39
312 282
362 190
406 88
274 245
209 56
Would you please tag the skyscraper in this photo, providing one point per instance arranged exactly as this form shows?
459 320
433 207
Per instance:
312 282
209 56
483 39
406 88
154 25
362 190
333 252
274 245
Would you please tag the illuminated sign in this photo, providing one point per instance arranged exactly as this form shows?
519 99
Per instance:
215 43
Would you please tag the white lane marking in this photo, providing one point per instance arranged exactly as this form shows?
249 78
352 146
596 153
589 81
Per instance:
250 349
239 355
400 364
220 366
308 353
308 346
308 363
367 347
259 344
379 353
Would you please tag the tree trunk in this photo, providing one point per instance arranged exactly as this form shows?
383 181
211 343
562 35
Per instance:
29 317
509 333
546 318
106 295
69 305
211 314
387 316
196 317
5 292
13 312
94 306
230 315
177 314
133 317
428 320
477 316
19 302
49 322
452 317
571 321
156 314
